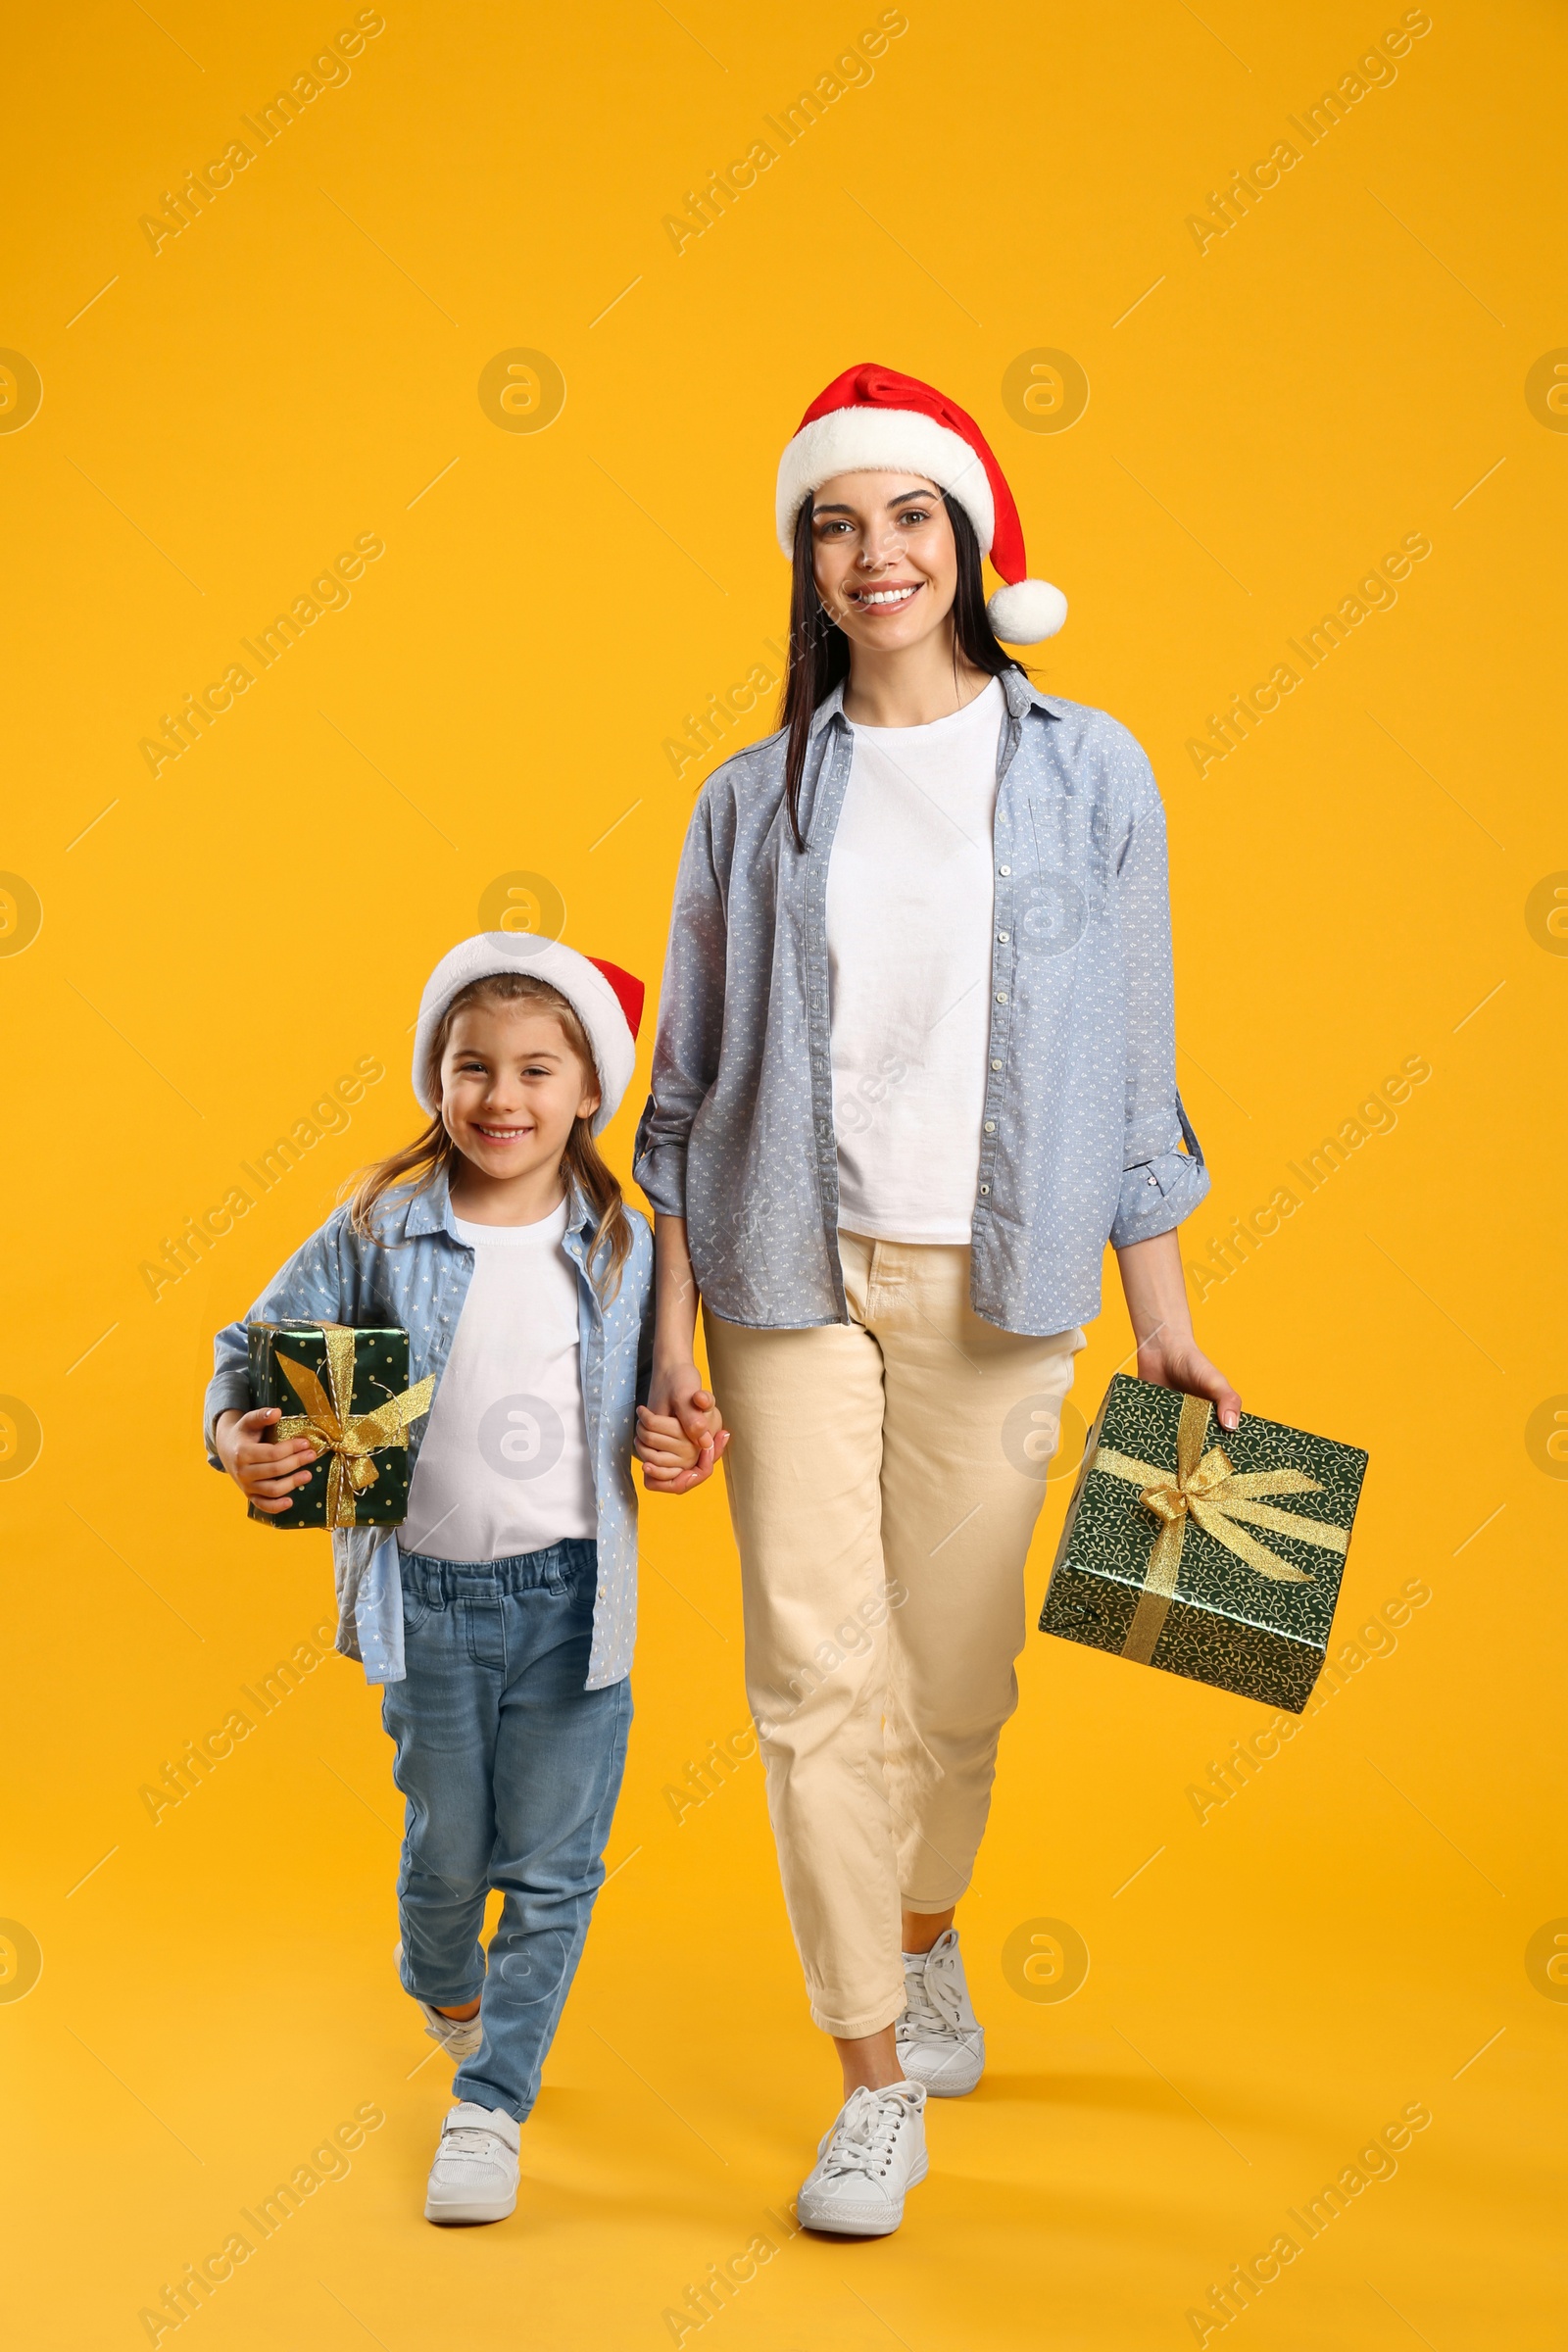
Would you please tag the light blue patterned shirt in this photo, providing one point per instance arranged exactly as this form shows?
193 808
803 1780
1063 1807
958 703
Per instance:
419 1282
1082 1127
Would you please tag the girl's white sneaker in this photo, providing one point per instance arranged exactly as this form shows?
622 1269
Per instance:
459 2036
939 2040
475 2176
875 2152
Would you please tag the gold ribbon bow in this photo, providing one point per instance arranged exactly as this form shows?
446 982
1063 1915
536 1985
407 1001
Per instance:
332 1428
1204 1486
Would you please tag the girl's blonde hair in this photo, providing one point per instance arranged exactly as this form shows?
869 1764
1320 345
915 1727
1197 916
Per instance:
435 1151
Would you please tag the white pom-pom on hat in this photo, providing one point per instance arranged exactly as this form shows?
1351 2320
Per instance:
1027 611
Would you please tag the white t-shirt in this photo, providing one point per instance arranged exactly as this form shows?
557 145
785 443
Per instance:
909 941
504 1466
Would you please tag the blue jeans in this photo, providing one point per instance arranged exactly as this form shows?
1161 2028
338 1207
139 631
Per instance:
511 1770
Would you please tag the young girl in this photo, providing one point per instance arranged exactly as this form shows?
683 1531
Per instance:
500 1616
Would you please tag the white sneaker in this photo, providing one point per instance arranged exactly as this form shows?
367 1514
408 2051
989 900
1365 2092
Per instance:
875 2152
475 2176
938 2039
459 2036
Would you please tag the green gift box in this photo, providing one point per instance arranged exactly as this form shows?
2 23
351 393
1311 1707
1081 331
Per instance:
1214 1554
346 1391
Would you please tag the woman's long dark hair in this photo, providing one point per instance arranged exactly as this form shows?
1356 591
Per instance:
819 650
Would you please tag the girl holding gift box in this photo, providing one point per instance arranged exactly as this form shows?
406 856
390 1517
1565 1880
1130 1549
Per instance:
915 1066
500 1616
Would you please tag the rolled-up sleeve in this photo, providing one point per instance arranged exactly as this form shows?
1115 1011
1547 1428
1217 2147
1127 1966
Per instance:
316 1286
690 1020
1161 1184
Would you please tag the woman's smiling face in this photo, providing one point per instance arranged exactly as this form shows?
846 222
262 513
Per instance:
886 567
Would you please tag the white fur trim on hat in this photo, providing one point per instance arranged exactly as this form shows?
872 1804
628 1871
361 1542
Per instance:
586 991
881 441
1027 612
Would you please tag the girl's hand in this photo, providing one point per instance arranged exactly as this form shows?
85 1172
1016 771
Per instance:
661 1449
267 1475
1176 1361
677 1395
672 1464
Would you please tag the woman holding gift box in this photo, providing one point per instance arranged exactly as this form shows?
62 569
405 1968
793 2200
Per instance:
915 1066
500 1616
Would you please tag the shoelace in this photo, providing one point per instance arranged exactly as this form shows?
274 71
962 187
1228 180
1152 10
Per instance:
472 2139
443 2029
932 2007
446 2028
863 2136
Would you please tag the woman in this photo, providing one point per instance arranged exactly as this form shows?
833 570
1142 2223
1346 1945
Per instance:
915 1067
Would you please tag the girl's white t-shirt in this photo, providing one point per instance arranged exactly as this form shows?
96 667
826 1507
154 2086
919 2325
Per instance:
504 1466
909 896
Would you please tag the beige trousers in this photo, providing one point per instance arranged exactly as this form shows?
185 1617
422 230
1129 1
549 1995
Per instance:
884 1476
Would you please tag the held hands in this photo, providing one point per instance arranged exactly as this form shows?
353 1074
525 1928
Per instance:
265 1473
1174 1360
681 1433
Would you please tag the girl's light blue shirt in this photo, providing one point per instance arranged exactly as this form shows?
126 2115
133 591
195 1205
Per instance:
418 1281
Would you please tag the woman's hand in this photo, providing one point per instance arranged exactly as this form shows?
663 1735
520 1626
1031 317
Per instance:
1173 1361
1168 1353
680 1431
266 1474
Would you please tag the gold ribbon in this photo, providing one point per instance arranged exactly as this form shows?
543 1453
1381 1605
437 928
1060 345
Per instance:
333 1428
1204 1486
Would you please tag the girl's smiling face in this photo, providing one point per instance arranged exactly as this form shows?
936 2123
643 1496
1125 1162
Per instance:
886 567
512 1090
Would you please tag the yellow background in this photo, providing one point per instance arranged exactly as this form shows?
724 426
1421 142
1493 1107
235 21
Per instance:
1267 418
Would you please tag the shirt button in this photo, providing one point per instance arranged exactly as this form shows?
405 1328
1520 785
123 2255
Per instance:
984 1189
995 1066
1001 996
1004 936
601 1592
991 1126
1003 870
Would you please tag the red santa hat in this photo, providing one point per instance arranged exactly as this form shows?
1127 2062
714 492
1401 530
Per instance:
873 420
607 1001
